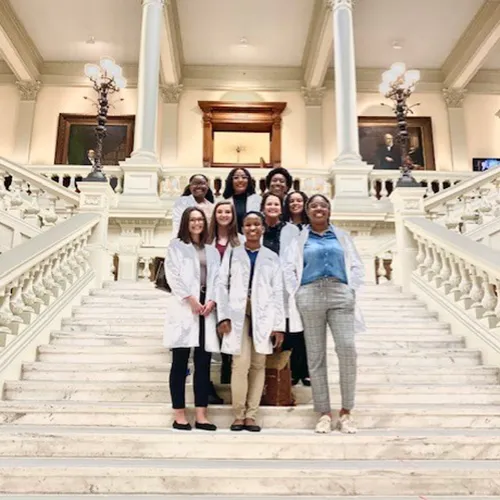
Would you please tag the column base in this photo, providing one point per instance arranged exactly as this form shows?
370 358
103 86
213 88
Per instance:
140 184
350 176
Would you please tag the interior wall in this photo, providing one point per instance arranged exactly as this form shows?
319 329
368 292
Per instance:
293 139
9 104
482 126
52 101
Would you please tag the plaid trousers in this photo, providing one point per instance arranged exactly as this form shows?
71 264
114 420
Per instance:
327 301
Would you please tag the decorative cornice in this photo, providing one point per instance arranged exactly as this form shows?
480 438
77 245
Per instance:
171 93
28 90
313 96
454 98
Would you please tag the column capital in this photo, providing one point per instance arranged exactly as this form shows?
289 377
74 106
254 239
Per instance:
157 2
337 4
313 96
28 89
171 93
454 98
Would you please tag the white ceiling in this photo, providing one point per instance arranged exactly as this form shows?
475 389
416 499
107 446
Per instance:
276 31
59 28
428 30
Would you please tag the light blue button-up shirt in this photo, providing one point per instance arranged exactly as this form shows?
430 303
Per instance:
323 258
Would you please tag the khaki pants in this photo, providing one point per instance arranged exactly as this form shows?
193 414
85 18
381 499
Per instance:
247 379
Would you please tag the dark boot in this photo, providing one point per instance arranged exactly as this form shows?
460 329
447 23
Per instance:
213 397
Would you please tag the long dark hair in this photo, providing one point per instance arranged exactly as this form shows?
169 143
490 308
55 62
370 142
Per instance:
229 188
232 229
287 215
209 196
184 235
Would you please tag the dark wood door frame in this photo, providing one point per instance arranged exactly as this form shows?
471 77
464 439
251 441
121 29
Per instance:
241 117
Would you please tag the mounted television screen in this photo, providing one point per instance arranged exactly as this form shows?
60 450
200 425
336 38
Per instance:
482 164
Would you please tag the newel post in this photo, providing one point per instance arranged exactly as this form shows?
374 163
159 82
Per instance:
95 198
408 202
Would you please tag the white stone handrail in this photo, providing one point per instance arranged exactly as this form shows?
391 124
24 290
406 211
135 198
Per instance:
477 181
38 279
41 268
465 271
382 182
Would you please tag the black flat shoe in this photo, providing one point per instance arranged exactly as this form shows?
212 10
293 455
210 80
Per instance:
205 427
253 428
237 427
306 381
295 381
181 427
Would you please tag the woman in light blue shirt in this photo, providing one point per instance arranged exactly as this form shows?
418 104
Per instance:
322 272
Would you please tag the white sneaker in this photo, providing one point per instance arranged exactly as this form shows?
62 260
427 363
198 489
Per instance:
324 425
346 424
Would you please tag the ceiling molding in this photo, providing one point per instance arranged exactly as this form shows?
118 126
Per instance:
70 74
275 79
477 41
248 78
172 57
318 53
17 48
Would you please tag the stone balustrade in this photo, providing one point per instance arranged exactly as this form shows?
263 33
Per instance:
383 182
464 273
32 198
35 274
69 176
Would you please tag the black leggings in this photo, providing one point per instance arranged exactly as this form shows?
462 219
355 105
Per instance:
178 372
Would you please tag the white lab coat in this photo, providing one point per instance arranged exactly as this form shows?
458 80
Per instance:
288 234
293 265
182 270
268 313
178 209
253 202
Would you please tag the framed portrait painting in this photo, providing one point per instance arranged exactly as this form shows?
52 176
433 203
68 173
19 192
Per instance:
379 147
76 137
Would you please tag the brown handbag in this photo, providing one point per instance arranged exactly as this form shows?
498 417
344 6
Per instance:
278 383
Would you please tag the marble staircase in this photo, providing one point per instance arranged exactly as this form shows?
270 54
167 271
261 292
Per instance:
91 416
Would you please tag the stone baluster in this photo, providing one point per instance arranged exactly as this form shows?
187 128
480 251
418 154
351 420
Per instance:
465 286
436 266
16 201
477 292
497 307
489 301
29 296
32 210
445 272
49 216
420 258
381 271
453 284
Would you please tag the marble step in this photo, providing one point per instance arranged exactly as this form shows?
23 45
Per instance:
377 329
265 477
366 357
151 316
139 443
476 375
369 394
154 415
157 340
241 497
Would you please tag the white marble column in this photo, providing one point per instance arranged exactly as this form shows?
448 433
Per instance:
349 173
313 98
146 119
171 95
454 99
25 119
142 170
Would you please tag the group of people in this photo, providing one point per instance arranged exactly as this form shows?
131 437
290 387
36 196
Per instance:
251 275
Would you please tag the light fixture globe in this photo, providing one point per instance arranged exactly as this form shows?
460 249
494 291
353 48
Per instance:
107 64
398 68
92 71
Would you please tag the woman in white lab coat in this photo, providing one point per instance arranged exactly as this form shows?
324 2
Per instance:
192 269
250 310
322 272
240 190
197 194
